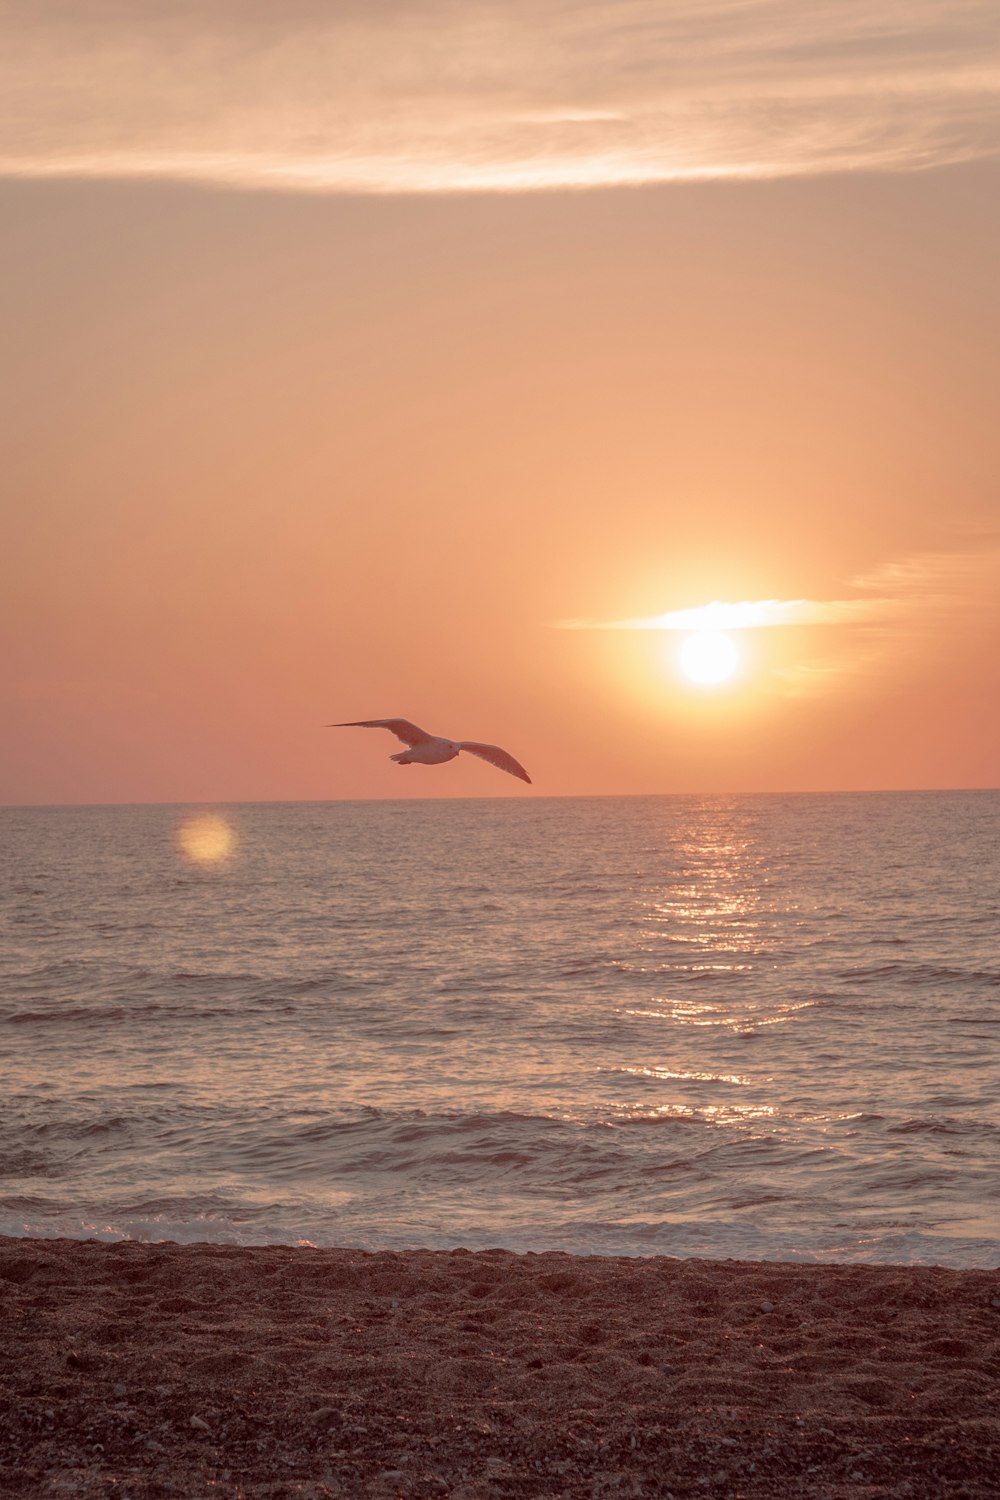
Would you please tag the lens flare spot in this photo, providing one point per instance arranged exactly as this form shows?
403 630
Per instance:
206 838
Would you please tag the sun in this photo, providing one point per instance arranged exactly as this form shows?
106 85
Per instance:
709 657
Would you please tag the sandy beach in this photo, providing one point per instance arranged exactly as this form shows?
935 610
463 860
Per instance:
146 1370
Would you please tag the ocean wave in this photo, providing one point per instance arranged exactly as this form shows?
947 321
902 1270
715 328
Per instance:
103 1015
921 974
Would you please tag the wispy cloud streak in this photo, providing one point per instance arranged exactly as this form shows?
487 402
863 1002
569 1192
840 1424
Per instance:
748 615
453 95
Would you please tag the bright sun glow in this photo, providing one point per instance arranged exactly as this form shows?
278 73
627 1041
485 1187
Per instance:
206 838
709 657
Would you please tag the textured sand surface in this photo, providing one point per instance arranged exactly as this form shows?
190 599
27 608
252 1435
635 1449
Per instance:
148 1370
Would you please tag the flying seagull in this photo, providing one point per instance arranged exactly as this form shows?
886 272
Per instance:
423 749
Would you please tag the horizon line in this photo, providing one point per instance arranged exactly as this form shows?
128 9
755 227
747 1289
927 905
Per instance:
874 791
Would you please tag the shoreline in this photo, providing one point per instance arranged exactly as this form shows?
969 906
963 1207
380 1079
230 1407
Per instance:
142 1370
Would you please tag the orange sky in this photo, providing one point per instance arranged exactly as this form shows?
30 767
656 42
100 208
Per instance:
276 457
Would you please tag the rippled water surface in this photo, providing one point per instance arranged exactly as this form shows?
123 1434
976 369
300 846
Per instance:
727 1026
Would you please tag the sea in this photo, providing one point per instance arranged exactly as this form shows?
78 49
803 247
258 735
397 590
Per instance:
759 1027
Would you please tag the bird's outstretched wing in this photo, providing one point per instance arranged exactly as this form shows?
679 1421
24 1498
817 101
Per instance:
502 759
401 728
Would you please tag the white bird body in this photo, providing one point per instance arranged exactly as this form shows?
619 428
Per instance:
434 753
423 749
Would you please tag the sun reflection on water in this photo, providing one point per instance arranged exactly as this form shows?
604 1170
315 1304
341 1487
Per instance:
711 924
706 1114
645 1072
691 1013
715 897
